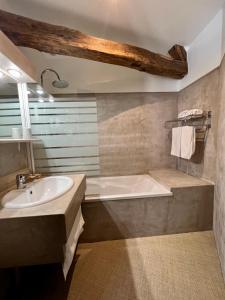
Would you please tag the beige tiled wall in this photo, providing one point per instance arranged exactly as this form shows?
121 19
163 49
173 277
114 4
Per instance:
203 94
219 205
11 159
208 93
132 137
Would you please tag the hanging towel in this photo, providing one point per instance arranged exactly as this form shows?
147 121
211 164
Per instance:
70 246
176 141
187 143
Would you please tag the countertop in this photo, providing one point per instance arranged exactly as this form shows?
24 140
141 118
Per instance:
177 179
55 207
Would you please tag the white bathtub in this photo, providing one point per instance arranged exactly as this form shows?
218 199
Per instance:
124 187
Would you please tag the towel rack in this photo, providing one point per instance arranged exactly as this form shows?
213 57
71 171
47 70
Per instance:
202 124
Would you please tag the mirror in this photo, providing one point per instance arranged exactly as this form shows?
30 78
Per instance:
13 157
37 93
10 116
15 68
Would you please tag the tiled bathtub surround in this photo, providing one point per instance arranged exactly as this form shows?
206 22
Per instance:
132 137
190 208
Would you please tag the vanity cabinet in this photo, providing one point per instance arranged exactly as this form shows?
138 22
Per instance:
36 235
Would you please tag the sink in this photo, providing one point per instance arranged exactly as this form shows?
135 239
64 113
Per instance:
38 192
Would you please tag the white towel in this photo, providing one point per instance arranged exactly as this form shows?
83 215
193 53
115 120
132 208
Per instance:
183 114
176 141
70 246
189 113
187 142
196 112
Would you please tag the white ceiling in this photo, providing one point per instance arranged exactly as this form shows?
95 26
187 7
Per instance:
153 24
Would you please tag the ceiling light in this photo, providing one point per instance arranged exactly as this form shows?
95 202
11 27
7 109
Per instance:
14 73
40 92
51 98
28 92
1 74
41 100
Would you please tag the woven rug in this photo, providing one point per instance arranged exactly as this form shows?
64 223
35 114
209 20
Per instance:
169 267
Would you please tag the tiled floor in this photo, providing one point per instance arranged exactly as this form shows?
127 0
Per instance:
169 267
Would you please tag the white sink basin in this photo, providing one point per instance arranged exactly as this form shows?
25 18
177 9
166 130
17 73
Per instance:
38 192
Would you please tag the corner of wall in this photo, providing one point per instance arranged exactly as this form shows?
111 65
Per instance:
205 52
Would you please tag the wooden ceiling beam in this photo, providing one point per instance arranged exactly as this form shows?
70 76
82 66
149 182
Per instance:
61 40
178 52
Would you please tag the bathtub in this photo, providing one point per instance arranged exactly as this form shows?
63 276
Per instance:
124 187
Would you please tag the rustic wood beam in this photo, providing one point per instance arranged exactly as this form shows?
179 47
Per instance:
61 40
178 52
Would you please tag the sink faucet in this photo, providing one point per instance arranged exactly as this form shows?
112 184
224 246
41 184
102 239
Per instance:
23 179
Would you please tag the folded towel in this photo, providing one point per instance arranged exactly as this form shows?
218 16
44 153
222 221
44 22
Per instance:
196 112
183 114
189 113
70 246
176 141
187 142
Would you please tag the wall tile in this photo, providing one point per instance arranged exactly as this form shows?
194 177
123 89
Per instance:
12 160
208 93
219 205
203 94
132 137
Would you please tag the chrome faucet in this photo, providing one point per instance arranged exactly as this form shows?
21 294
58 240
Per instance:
23 179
